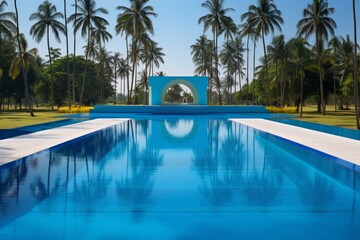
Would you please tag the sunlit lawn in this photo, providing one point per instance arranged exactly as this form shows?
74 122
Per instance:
14 119
343 118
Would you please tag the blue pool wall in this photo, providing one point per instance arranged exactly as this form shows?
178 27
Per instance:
179 109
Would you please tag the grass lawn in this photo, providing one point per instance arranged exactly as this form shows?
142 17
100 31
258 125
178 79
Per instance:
343 118
15 119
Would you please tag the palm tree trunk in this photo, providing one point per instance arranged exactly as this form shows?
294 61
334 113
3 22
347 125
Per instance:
22 65
216 67
254 68
334 78
356 80
247 70
51 70
240 88
267 70
322 100
115 78
302 91
67 55
234 76
85 70
73 70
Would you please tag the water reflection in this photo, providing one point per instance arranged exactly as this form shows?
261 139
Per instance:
179 128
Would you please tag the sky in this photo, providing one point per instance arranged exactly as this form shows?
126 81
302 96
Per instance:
177 28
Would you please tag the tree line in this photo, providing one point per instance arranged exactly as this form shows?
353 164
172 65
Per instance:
90 78
288 70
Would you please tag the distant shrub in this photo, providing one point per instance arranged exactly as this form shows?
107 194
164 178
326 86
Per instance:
75 109
281 110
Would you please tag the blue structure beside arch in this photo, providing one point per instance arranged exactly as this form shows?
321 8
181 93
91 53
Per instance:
160 84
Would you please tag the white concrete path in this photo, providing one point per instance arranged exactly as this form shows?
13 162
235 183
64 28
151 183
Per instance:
18 147
340 147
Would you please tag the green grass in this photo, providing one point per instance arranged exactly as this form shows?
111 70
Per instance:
343 118
15 118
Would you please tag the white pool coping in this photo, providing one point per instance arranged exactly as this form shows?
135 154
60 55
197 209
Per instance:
340 147
15 148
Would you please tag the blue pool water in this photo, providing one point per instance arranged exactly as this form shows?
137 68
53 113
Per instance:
171 177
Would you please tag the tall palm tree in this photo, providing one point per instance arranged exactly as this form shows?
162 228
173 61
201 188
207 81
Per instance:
317 21
136 21
75 5
356 79
216 19
238 46
300 57
124 28
123 72
46 18
86 18
116 58
152 56
264 18
22 62
201 53
101 35
21 59
247 31
334 43
7 19
277 53
67 54
92 49
228 60
103 68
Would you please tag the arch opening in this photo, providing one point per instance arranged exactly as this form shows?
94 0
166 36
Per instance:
179 92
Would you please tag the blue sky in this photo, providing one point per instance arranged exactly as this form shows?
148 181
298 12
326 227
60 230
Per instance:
177 28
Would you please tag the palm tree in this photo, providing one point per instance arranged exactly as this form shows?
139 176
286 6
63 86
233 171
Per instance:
317 21
7 26
86 19
152 55
238 46
301 56
216 19
67 54
123 72
136 22
75 5
277 53
249 32
22 62
334 43
116 62
356 79
101 35
103 68
264 18
346 62
122 28
46 17
201 53
143 84
229 62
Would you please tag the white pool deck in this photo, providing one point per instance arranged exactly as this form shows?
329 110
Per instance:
15 148
340 147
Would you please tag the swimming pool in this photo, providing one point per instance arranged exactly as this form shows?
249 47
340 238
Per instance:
171 177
